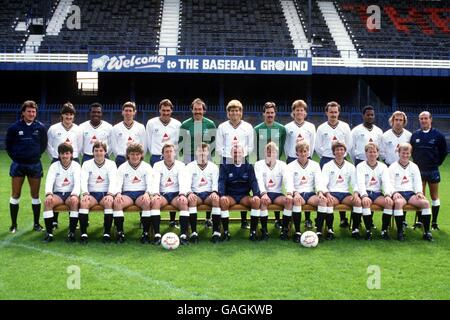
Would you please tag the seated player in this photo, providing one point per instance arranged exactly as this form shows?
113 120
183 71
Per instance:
303 186
62 186
407 184
236 180
170 187
204 176
374 186
339 175
133 187
98 183
270 174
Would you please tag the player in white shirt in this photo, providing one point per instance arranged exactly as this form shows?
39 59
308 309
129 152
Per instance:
95 130
271 175
127 132
234 132
162 130
374 186
299 130
98 183
62 186
363 134
407 183
393 137
332 131
303 186
134 186
170 187
64 132
338 176
204 177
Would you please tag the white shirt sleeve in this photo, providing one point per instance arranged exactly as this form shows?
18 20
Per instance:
76 179
215 179
112 175
156 179
325 178
144 136
417 179
259 177
50 180
386 182
119 181
149 180
318 144
289 179
353 179
360 178
250 137
219 141
84 178
318 180
148 130
313 141
50 149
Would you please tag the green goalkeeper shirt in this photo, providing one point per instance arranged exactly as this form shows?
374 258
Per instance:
196 133
266 134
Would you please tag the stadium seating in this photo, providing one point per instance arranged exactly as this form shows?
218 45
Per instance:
407 30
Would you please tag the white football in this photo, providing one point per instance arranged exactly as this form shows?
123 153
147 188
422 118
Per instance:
309 239
170 241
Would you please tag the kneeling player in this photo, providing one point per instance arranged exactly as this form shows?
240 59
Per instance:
170 187
304 186
407 183
62 186
134 187
338 176
270 174
98 181
373 177
204 175
236 180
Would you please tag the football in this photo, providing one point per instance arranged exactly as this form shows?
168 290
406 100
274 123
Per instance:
309 239
170 241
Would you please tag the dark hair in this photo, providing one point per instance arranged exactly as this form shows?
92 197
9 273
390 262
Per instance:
96 105
64 147
135 147
269 105
165 102
198 101
29 104
366 108
100 144
338 144
68 108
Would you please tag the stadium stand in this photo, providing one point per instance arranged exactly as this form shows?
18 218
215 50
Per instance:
233 27
409 29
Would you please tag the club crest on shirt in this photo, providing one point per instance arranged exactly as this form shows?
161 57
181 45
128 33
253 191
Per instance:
304 180
165 137
93 139
405 180
270 183
373 181
339 179
99 180
203 182
169 182
136 180
66 182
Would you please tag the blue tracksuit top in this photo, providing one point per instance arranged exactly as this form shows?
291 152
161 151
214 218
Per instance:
429 149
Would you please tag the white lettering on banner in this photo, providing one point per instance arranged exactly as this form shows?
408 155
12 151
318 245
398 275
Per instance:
188 64
231 65
279 65
121 62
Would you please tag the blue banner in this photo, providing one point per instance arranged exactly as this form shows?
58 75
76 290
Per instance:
199 64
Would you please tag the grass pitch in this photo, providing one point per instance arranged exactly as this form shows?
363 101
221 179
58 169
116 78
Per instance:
239 269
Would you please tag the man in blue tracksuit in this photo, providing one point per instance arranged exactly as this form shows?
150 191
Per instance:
236 180
26 140
429 152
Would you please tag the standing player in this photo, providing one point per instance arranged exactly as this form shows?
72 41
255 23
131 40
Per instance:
95 130
162 130
236 180
363 134
67 132
134 186
203 176
393 137
299 130
407 184
374 186
332 131
270 174
196 130
62 186
231 133
338 176
429 152
98 183
269 130
127 132
25 142
170 187
303 186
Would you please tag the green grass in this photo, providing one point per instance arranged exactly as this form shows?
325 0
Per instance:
239 269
